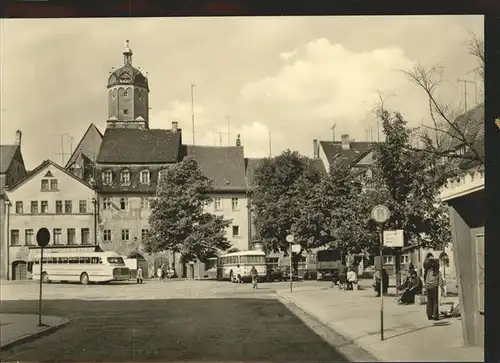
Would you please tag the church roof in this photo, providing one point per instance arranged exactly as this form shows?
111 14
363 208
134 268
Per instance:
225 165
357 150
7 153
138 146
128 74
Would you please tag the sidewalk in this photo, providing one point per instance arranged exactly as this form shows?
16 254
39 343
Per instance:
408 335
19 328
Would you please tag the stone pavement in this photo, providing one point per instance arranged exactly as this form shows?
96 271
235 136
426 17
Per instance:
408 335
19 328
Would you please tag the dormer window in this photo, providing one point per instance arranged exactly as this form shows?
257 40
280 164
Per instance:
145 177
125 177
107 177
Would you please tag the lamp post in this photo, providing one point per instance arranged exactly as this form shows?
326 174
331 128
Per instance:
7 206
290 239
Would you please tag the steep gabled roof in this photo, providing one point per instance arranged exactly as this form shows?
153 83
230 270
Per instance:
41 167
137 146
7 154
225 165
89 145
357 150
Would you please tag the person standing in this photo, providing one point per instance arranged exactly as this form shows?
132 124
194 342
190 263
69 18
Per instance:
238 274
352 279
433 281
139 275
255 277
159 272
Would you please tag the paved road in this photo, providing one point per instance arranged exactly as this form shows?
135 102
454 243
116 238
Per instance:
184 320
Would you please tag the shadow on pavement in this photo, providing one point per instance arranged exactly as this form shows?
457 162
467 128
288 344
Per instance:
172 330
439 323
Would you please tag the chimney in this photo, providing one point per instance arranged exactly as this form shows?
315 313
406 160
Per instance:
175 126
346 144
238 140
316 148
19 134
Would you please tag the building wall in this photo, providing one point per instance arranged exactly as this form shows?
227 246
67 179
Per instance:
3 241
69 189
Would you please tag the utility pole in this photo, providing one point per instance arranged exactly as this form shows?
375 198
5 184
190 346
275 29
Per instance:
220 138
62 153
464 81
192 108
228 118
333 131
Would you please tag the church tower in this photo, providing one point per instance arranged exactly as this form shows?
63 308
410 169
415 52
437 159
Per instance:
128 96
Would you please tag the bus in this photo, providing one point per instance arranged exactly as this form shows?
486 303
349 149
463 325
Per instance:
328 263
227 265
83 267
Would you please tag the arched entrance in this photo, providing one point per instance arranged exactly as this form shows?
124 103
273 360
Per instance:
19 270
141 262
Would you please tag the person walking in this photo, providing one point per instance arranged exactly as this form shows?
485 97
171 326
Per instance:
433 281
238 275
139 275
159 273
255 277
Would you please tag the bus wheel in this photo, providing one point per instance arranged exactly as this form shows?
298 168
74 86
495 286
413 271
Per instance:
45 278
84 278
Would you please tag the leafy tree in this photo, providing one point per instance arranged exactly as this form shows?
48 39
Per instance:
283 185
178 220
337 214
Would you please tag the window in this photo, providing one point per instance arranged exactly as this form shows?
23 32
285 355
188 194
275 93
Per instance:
405 259
19 207
57 236
67 206
71 236
54 185
85 236
388 260
83 206
217 203
125 177
107 177
45 184
123 203
236 231
34 207
106 203
28 237
125 234
45 207
14 238
125 111
144 233
235 202
107 235
125 94
145 203
272 263
145 177
59 207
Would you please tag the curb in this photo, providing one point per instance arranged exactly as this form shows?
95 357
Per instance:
348 339
29 337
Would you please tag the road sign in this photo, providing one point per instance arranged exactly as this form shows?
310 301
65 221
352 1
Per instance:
394 238
295 248
289 238
43 237
380 213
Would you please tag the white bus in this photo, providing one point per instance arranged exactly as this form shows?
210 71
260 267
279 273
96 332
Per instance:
84 267
227 265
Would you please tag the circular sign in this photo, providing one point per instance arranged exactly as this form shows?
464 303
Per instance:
43 237
289 238
380 213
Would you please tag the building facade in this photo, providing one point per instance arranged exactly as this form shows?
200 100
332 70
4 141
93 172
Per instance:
12 169
53 198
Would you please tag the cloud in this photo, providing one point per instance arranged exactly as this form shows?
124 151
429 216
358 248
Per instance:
323 83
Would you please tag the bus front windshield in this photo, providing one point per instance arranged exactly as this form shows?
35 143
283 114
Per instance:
116 260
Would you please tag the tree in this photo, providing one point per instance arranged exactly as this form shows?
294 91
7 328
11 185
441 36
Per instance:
178 220
448 130
283 184
337 214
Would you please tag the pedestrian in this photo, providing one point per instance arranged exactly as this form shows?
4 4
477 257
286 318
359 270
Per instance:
352 279
238 274
433 281
159 272
139 275
343 276
255 277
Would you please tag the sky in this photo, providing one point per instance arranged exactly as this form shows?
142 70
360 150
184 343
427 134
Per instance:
283 81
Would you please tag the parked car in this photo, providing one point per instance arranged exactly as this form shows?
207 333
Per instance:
310 275
327 275
274 274
286 274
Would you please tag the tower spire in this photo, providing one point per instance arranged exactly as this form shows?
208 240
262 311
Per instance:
127 54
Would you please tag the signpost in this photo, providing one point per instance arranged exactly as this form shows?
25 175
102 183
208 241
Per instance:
43 239
290 239
381 214
394 239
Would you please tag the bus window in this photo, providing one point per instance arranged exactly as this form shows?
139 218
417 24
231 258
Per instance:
73 260
62 260
115 260
245 259
53 260
82 259
86 259
94 260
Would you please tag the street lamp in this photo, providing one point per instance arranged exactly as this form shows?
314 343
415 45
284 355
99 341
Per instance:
290 239
7 206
